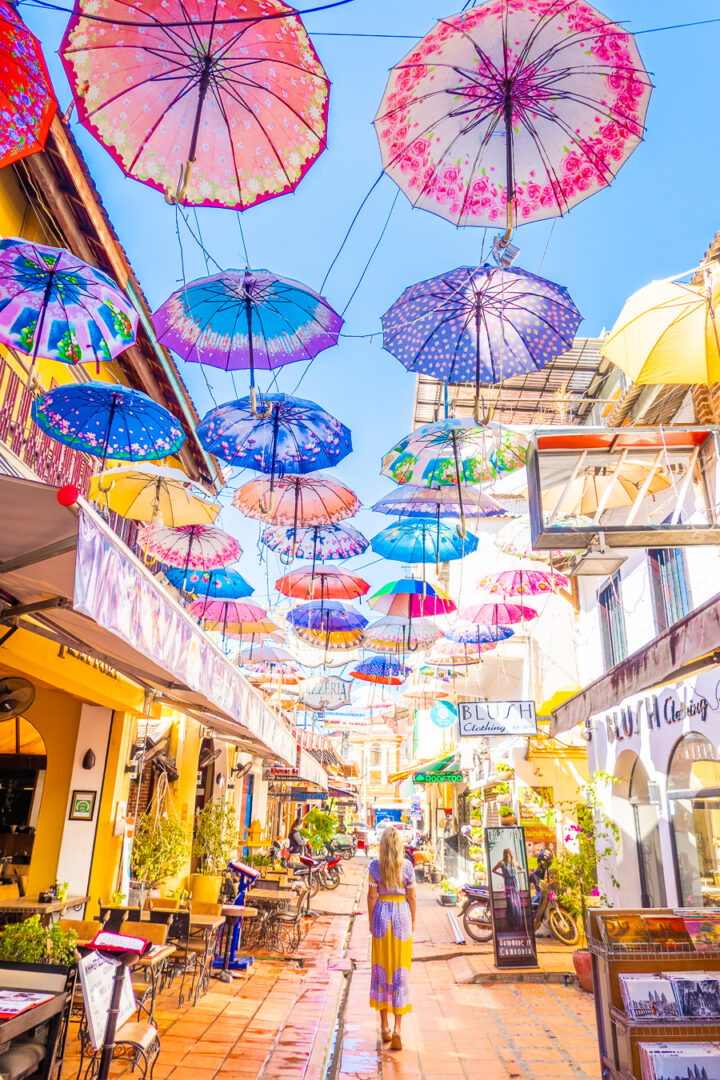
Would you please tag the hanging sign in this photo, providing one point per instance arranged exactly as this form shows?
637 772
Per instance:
443 714
497 718
438 778
308 796
325 692
510 904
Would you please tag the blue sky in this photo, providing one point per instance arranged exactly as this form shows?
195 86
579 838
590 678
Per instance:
656 220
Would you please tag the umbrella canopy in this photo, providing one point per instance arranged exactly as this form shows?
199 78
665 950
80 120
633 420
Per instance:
249 319
398 636
152 493
263 654
191 547
523 582
384 670
226 611
476 634
255 631
297 436
438 502
409 598
330 640
453 654
498 615
308 583
418 541
596 487
326 617
480 325
215 105
297 500
52 304
514 539
27 101
668 333
109 421
513 110
321 543
455 452
226 584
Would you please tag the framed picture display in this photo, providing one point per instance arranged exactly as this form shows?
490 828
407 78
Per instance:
82 805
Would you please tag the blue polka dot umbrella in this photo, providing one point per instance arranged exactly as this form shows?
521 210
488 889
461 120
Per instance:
480 325
383 670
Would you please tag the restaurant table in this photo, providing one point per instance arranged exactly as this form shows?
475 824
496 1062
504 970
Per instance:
51 1012
272 898
28 905
232 912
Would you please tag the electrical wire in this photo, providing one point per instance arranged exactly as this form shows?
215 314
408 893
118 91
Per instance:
349 230
288 14
372 254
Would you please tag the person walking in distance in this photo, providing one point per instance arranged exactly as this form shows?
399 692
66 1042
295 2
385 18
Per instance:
391 910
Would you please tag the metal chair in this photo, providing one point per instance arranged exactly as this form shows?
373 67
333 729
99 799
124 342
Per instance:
183 961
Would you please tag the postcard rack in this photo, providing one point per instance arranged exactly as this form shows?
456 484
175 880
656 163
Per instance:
618 1035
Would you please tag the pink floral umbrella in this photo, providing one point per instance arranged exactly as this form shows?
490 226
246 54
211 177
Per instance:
191 547
566 82
227 611
219 103
523 582
498 614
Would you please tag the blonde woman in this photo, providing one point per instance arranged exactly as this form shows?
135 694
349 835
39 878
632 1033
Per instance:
391 911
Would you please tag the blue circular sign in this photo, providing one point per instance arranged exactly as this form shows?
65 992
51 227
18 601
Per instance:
443 714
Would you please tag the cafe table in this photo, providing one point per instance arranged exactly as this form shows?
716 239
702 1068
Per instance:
280 899
50 1012
29 905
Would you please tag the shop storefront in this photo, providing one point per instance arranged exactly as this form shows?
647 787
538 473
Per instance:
662 750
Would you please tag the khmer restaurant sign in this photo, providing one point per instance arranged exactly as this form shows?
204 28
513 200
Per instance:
325 692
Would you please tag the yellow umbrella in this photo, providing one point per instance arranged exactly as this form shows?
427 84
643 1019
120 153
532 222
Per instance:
152 493
668 333
601 487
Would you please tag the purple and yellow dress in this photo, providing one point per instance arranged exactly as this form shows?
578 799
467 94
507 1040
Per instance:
391 931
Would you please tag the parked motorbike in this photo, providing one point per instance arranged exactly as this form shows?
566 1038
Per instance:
477 918
344 845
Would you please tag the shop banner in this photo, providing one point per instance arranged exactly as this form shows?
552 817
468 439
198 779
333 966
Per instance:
497 718
325 692
512 915
114 590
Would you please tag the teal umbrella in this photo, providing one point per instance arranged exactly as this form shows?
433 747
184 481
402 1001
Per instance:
419 540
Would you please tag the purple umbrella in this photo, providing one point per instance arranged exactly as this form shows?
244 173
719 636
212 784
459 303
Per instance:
326 616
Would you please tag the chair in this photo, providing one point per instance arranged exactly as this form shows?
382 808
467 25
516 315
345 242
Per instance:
183 960
113 917
9 891
167 903
135 1040
86 929
26 1054
202 945
203 907
284 928
154 932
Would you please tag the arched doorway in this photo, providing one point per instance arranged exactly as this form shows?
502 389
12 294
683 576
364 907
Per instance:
693 792
23 764
647 833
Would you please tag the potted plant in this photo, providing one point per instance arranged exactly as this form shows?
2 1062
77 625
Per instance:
29 942
215 842
160 850
449 896
318 828
507 817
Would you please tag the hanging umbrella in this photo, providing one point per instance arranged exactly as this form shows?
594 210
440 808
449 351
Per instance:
255 631
263 654
52 304
27 101
453 453
321 543
152 493
480 325
409 599
497 615
223 612
307 583
214 105
382 670
668 333
398 636
513 110
453 654
418 541
330 640
595 488
246 319
438 502
514 539
297 501
296 437
191 547
326 617
225 584
523 582
477 634
109 421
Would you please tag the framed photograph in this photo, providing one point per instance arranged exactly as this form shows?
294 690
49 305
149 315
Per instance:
82 805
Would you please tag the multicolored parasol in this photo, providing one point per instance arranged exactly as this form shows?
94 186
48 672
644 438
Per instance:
54 305
436 502
153 493
224 612
27 101
191 547
514 539
213 104
382 670
320 543
399 636
263 654
297 500
523 582
513 110
477 635
330 640
498 614
246 319
309 583
326 617
410 599
226 584
108 420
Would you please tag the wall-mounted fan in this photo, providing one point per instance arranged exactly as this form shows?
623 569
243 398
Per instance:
16 696
238 771
207 757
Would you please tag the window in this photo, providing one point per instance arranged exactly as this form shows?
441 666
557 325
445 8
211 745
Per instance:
668 585
375 757
612 622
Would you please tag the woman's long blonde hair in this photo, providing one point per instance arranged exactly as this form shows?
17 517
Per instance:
391 857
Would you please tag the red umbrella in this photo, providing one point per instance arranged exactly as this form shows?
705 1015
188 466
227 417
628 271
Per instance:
27 102
523 582
213 103
308 583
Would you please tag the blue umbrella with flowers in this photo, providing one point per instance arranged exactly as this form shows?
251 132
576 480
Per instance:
225 584
384 670
417 540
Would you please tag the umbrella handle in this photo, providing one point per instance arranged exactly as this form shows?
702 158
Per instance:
461 529
484 418
253 406
289 559
267 509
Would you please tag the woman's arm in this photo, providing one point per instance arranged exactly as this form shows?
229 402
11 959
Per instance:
497 868
412 903
372 901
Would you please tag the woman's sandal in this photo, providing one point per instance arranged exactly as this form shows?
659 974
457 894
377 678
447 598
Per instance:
395 1042
385 1033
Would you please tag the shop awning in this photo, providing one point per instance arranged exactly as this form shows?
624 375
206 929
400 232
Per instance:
428 765
65 575
311 771
689 646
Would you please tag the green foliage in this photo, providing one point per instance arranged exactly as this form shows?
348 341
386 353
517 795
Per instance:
506 811
216 837
257 860
319 827
161 847
575 873
501 766
117 898
501 788
29 942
